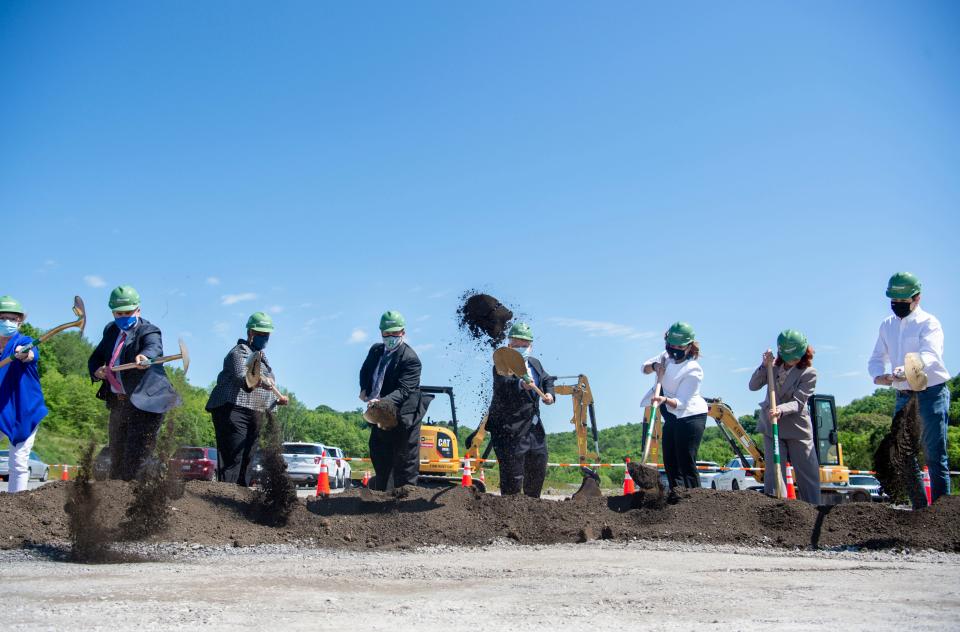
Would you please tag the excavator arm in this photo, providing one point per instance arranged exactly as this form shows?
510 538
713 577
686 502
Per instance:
583 410
738 438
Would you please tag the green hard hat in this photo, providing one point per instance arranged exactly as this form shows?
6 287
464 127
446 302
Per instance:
680 334
521 331
392 321
791 344
260 321
903 285
10 305
124 299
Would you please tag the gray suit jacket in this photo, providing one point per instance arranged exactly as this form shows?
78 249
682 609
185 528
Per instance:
792 398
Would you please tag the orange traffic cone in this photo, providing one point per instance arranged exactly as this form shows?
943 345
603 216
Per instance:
483 479
467 480
366 478
926 485
323 480
628 486
791 490
65 475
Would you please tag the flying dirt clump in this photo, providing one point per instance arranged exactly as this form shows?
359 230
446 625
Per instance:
484 317
89 539
649 490
896 457
277 496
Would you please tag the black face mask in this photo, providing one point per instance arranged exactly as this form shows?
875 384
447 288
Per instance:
677 354
259 342
900 310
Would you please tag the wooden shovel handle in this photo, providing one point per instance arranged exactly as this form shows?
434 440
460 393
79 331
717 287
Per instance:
133 365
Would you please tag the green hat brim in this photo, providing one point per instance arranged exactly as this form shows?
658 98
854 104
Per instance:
125 308
390 330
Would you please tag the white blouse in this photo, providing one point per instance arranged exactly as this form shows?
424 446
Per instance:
681 381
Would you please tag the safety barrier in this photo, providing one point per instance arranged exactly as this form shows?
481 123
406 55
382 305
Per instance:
704 468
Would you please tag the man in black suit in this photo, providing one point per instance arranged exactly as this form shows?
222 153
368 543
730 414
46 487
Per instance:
391 373
138 398
514 424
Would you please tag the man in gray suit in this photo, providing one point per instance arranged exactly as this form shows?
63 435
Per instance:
796 381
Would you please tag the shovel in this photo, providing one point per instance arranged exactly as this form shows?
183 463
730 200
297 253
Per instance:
183 355
252 376
653 413
778 475
915 372
508 361
80 323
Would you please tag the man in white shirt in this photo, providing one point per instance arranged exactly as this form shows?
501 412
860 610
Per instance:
912 330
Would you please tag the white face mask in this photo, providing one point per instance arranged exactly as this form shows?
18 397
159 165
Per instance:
524 351
8 328
392 342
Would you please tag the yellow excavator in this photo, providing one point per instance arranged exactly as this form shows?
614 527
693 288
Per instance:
440 459
834 475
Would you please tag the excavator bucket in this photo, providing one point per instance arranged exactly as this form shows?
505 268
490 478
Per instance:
589 486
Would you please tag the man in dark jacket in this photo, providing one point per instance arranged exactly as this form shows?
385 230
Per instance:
137 399
391 372
514 424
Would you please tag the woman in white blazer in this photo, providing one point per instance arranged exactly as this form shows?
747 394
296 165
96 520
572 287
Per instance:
684 411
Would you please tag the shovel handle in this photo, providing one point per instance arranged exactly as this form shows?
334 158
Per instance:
134 365
781 487
529 380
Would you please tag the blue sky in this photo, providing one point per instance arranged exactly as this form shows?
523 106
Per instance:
607 168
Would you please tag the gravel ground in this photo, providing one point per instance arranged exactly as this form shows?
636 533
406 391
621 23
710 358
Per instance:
504 586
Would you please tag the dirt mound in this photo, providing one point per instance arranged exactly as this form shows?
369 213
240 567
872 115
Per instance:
484 317
220 513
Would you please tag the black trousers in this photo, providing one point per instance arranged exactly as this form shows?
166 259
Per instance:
396 456
681 441
132 434
523 462
237 432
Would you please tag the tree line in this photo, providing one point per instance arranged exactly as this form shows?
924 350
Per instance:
76 415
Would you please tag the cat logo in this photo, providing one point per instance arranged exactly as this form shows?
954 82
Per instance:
445 446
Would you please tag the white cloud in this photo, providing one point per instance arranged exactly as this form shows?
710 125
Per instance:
276 309
850 374
603 328
356 336
420 319
221 328
213 280
439 294
743 369
425 347
94 281
230 299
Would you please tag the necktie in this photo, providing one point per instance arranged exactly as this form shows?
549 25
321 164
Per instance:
379 374
111 376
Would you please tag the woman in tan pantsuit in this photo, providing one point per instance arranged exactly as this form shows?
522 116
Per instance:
796 381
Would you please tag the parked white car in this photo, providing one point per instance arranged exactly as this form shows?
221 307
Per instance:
304 460
707 470
37 468
342 470
736 479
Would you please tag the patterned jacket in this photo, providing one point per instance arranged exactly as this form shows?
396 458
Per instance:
231 385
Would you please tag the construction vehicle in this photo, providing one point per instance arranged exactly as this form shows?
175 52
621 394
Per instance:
834 475
439 446
440 459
